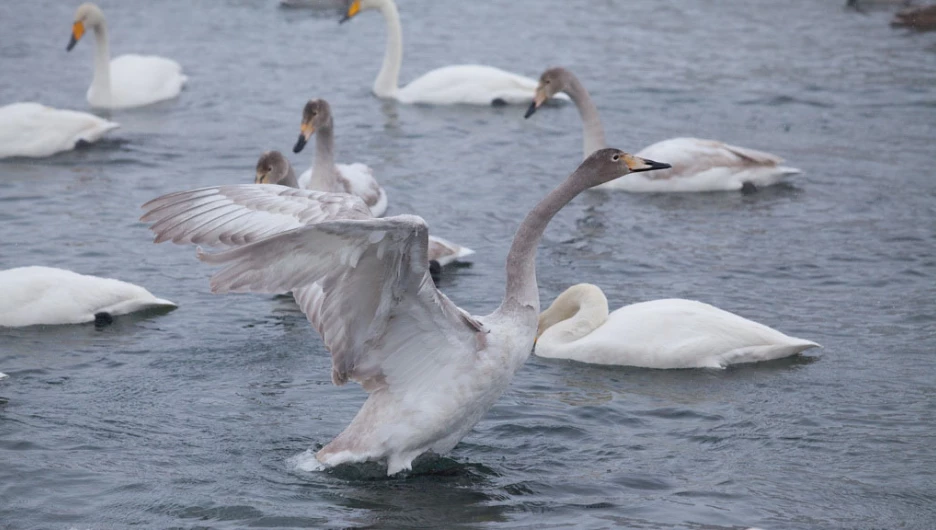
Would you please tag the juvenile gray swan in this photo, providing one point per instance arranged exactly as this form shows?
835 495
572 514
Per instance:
431 370
697 165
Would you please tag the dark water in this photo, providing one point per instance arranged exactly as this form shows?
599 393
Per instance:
187 420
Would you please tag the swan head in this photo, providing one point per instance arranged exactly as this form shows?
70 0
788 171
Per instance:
356 6
272 168
605 165
87 15
316 115
551 82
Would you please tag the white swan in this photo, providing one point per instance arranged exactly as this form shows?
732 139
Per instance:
46 295
273 168
128 80
431 369
467 83
697 165
671 333
325 175
34 130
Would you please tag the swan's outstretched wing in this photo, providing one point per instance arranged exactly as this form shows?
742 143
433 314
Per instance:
225 216
691 156
377 309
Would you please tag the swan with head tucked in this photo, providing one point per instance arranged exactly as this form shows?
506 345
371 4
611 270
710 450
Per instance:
325 175
46 295
697 164
467 83
273 168
431 370
34 130
128 80
670 333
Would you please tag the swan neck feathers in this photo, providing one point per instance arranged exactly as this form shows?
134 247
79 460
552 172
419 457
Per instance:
593 130
324 171
101 83
574 314
521 290
388 80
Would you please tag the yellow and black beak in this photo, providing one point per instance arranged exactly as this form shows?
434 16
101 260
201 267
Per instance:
538 99
353 9
637 164
260 177
305 132
78 30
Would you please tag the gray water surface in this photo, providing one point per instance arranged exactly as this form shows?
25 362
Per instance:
187 420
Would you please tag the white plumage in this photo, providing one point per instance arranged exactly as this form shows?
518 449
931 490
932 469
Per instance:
669 333
34 130
129 80
46 295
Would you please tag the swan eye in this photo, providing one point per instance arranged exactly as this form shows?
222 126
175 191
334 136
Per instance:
616 158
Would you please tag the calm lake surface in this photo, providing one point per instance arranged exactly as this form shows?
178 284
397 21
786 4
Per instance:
188 420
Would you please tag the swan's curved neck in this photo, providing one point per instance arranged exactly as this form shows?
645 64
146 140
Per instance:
289 179
594 136
101 84
324 172
577 312
522 293
387 83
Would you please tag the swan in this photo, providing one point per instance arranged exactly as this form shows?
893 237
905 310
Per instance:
670 333
34 130
325 175
47 295
431 370
129 80
697 164
467 83
273 168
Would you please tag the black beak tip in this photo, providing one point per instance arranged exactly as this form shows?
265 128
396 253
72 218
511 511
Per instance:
300 143
344 19
659 165
532 108
71 43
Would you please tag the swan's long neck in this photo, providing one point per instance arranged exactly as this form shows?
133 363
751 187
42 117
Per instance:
577 312
101 84
289 179
522 293
594 136
324 172
387 83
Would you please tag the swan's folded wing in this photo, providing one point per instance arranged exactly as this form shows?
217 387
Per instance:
223 216
375 304
691 156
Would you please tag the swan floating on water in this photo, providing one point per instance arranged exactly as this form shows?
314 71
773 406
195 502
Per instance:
45 295
273 168
325 175
697 164
467 83
128 80
431 370
670 333
34 130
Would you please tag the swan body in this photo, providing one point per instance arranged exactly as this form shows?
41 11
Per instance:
431 370
128 80
34 130
669 333
46 295
457 84
705 165
697 165
355 178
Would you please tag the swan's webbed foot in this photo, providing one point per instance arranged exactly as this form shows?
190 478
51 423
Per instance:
748 188
498 102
